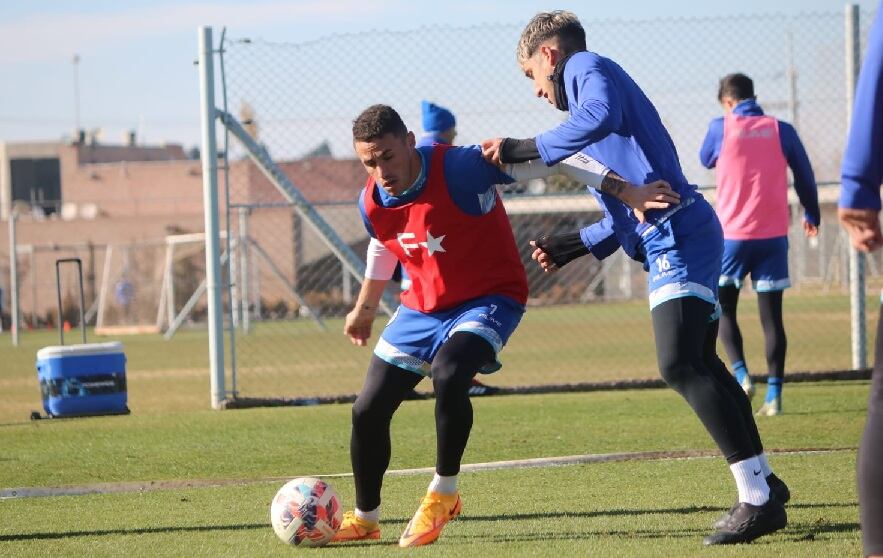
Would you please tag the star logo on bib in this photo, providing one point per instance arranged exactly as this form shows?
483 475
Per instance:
433 244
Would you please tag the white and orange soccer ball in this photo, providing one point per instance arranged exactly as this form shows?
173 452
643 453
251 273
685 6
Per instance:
306 512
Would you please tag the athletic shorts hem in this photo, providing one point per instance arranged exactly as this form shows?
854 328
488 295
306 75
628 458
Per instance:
672 291
729 281
483 331
770 286
388 353
489 335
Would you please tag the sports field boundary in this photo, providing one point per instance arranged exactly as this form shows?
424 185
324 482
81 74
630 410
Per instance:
579 387
538 462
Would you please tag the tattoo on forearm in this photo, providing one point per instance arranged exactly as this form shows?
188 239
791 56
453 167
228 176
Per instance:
613 184
368 307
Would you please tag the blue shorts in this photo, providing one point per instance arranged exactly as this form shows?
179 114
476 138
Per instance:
683 254
765 259
411 339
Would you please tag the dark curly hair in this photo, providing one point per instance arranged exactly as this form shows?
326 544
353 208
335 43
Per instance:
376 121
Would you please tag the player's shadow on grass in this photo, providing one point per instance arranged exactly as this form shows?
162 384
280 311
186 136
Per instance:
800 532
141 531
615 512
808 532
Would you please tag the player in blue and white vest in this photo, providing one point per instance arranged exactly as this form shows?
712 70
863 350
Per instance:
612 121
862 175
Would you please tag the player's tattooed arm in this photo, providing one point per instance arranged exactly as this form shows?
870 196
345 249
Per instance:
655 195
614 185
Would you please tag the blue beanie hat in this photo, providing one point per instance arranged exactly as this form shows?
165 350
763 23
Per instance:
436 118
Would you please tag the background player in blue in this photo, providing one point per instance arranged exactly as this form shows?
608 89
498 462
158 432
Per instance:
439 125
612 121
751 153
862 174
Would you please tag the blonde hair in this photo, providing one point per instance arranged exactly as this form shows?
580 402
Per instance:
560 24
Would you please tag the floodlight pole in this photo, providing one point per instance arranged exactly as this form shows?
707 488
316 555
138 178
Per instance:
210 207
856 258
76 63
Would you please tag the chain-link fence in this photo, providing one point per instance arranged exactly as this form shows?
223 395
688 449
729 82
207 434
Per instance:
588 322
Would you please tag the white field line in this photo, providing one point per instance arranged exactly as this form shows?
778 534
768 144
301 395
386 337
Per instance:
144 486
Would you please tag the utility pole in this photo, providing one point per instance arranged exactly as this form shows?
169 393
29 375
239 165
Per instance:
76 62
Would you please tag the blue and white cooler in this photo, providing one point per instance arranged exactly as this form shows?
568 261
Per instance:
82 380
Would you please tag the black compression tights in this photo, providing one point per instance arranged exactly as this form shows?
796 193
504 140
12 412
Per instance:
385 388
870 458
769 305
688 362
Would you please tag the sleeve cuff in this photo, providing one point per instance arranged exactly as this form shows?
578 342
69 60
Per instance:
855 195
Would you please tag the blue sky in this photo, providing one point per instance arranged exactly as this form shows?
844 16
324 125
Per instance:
136 57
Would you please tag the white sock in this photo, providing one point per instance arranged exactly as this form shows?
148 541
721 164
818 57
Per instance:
751 481
764 465
443 485
372 515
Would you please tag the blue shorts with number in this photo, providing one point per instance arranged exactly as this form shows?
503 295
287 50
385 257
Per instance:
683 254
765 259
411 339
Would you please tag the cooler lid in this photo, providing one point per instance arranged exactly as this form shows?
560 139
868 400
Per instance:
57 351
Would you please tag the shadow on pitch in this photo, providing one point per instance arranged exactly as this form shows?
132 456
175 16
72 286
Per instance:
142 531
622 512
802 532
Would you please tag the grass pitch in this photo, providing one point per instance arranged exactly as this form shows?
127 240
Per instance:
631 508
221 469
553 345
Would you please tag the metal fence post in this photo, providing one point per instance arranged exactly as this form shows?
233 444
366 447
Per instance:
210 208
856 258
244 271
13 280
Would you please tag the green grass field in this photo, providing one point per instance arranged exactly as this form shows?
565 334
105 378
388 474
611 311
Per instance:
644 508
564 344
221 469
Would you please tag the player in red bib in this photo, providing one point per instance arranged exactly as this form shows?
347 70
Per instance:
435 210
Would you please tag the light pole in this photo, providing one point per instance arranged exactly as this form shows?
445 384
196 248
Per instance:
76 62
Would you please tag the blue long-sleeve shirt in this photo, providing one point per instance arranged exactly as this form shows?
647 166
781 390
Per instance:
862 167
470 179
613 121
792 148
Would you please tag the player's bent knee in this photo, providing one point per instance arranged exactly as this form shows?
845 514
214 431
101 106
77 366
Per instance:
371 412
676 374
449 375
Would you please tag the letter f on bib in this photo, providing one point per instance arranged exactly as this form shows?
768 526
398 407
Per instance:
407 246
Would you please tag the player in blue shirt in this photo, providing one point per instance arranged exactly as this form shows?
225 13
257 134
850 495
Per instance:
862 174
612 121
751 153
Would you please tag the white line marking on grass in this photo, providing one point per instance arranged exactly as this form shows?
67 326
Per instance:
145 486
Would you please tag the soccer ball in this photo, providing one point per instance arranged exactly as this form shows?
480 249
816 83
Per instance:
306 512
